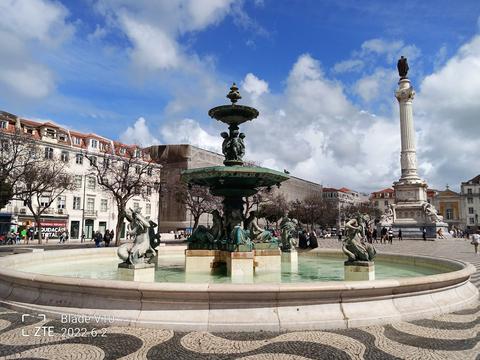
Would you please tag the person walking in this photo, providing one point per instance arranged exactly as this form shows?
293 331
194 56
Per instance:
374 235
383 233
475 240
98 238
302 240
312 240
424 234
390 236
400 234
106 238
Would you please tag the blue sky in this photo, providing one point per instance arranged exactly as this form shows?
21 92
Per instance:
322 74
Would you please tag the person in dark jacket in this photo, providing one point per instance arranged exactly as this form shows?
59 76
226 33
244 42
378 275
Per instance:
312 240
302 240
98 238
107 238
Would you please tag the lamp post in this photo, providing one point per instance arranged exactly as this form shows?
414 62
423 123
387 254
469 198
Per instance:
84 180
160 188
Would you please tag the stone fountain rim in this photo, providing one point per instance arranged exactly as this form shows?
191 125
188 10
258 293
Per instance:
461 273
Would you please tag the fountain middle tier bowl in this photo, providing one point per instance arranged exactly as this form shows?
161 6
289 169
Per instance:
233 180
233 114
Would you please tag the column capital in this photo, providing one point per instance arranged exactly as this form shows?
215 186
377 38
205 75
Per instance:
405 94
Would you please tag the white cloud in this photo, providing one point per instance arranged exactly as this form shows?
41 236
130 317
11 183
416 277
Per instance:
351 65
372 87
152 49
189 131
28 25
254 86
29 80
139 134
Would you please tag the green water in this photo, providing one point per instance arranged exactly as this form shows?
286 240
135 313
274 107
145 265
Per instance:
310 269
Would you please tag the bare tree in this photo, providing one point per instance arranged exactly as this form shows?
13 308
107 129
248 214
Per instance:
40 183
196 199
273 207
314 210
123 177
17 153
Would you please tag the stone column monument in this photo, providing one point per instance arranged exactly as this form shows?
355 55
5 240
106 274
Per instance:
412 212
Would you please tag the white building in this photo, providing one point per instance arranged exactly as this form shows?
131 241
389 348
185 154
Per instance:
86 208
470 193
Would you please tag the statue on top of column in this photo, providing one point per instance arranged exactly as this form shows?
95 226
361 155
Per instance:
402 67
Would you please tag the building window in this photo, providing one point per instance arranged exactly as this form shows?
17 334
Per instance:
385 203
106 163
137 153
91 204
94 143
125 166
79 159
48 153
61 202
470 200
50 133
449 214
64 156
93 160
78 181
376 203
4 124
91 182
76 203
76 140
62 137
148 209
469 191
136 205
470 210
471 221
136 190
149 191
44 201
103 205
149 171
122 151
137 170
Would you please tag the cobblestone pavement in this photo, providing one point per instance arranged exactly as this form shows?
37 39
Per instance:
450 336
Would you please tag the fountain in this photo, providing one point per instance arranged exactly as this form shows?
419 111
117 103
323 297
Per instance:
258 293
233 239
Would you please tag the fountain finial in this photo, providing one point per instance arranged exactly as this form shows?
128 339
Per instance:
234 94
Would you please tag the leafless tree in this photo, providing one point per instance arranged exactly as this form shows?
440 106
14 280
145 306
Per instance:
196 199
17 153
40 183
273 207
314 210
123 177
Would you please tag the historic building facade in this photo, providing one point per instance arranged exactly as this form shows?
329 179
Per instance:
449 205
470 194
87 208
175 158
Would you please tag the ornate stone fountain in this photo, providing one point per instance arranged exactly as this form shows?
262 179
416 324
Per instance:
233 236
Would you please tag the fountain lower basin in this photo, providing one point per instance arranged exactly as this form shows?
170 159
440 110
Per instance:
237 307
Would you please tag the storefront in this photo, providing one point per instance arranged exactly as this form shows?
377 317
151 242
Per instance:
51 226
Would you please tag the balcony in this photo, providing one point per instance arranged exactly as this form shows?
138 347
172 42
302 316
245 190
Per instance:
90 213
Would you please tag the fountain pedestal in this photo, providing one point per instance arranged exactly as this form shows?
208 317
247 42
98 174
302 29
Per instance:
240 266
290 261
359 270
268 261
138 272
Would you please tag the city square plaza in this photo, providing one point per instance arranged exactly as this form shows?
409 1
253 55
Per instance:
236 291
447 336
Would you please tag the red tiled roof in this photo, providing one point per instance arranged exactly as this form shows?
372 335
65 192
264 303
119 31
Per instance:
387 190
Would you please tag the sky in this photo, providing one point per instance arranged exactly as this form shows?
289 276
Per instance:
322 73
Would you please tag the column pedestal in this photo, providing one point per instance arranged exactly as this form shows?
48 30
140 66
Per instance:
290 261
359 270
139 272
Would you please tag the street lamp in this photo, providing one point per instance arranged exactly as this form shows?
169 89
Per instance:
160 186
